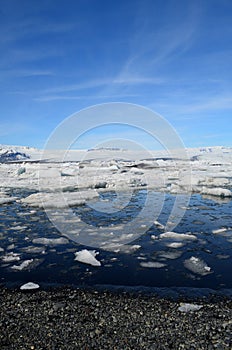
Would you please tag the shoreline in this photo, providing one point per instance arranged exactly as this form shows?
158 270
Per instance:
68 318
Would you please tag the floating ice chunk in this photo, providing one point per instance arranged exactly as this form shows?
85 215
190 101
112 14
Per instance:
87 257
159 225
185 307
33 250
178 236
59 200
154 237
175 245
170 255
197 266
20 228
220 230
23 265
120 248
6 200
220 192
29 286
50 241
10 257
152 264
1 249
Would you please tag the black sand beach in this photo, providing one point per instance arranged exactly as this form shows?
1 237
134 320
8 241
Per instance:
66 318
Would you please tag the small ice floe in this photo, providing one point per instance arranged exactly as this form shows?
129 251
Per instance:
18 228
175 245
159 225
197 266
222 256
220 230
152 264
23 265
33 250
87 257
7 200
1 249
220 192
178 236
29 286
169 255
185 307
10 257
50 241
49 200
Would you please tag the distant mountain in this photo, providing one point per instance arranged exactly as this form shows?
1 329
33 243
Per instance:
9 155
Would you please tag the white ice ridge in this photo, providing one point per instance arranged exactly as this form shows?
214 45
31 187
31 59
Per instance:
104 170
87 257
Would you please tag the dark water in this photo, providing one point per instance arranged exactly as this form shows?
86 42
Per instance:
55 264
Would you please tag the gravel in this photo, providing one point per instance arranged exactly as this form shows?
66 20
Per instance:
66 318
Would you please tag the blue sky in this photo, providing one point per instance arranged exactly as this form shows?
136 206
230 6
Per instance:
58 57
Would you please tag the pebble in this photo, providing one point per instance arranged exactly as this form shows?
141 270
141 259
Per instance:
71 319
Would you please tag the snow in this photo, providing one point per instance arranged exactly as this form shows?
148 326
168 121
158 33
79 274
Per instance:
197 266
186 307
87 257
29 286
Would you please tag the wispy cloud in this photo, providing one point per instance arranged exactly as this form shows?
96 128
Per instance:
81 97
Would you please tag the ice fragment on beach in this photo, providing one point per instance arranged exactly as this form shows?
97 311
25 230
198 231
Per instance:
87 257
152 264
29 286
197 266
185 307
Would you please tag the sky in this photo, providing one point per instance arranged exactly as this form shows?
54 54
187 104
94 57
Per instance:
59 57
